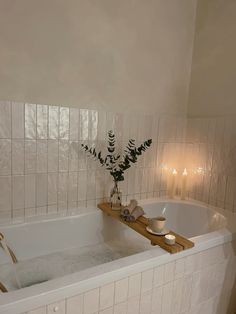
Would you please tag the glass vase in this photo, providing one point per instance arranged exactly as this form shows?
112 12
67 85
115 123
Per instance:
116 197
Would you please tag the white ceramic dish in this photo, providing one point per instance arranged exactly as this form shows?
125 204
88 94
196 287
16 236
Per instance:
162 233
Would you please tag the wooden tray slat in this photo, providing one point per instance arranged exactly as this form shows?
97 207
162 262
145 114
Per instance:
140 226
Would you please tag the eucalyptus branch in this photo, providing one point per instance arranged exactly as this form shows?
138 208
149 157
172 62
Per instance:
114 162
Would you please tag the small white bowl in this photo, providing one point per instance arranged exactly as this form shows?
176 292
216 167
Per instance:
170 239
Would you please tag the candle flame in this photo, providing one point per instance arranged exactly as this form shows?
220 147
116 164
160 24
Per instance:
174 172
185 173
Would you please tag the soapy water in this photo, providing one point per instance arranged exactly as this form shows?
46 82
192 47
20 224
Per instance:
54 265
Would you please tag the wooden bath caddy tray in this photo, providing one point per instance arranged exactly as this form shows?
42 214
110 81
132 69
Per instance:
140 226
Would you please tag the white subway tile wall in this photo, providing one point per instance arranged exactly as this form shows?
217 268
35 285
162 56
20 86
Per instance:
211 159
208 289
44 170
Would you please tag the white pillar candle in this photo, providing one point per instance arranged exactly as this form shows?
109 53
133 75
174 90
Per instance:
184 184
173 183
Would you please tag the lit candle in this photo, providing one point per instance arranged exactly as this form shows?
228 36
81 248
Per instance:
173 183
184 184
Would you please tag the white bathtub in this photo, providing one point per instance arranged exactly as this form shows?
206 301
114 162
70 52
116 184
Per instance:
77 253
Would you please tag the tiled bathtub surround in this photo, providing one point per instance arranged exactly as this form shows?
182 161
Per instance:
43 169
211 159
199 283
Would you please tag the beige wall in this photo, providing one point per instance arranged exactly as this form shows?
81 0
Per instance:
115 55
213 90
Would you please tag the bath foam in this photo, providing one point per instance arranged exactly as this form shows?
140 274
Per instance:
51 266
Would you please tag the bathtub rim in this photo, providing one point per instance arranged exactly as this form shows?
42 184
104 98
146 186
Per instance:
91 209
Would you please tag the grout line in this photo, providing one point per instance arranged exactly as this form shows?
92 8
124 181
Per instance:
36 168
11 171
58 141
225 190
47 136
24 173
67 161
